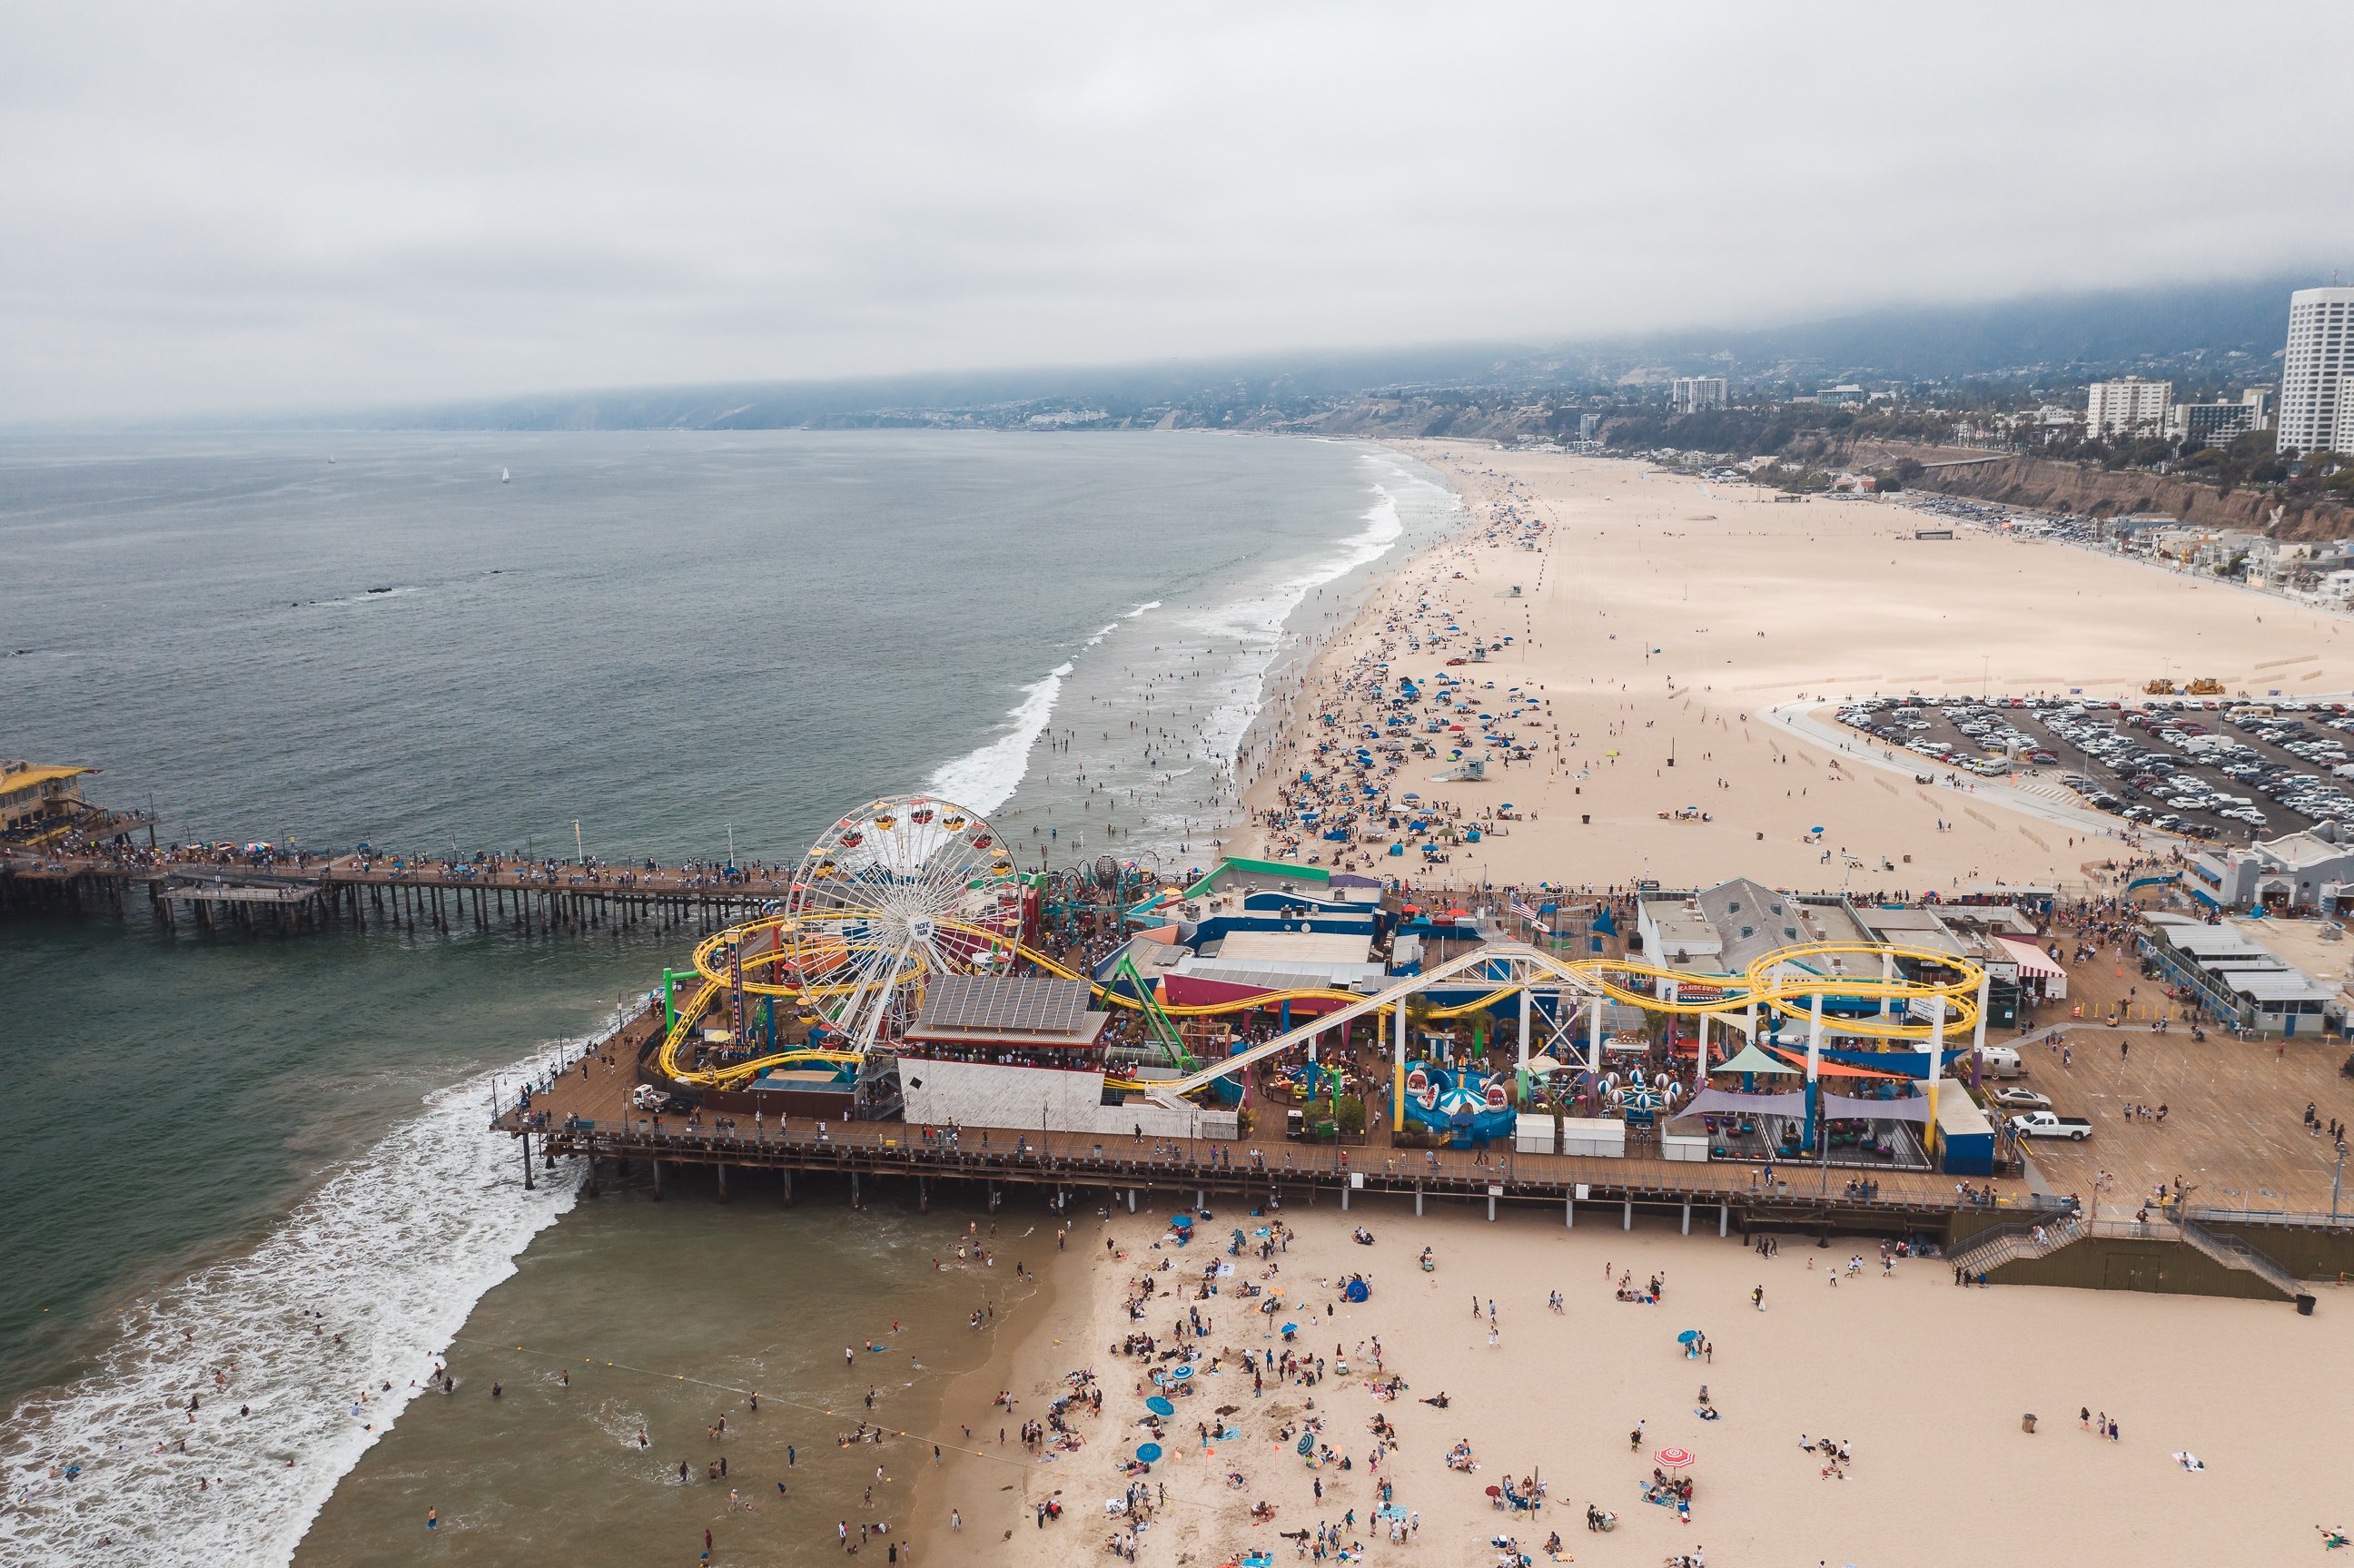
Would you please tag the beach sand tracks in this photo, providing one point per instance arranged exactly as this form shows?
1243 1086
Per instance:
2033 838
1980 818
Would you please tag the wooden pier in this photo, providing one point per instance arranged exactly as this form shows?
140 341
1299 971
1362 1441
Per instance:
585 1114
302 893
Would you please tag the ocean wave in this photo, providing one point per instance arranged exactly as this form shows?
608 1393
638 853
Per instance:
985 777
391 1253
1257 620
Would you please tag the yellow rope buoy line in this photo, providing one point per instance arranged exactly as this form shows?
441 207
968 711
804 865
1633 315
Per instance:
1786 982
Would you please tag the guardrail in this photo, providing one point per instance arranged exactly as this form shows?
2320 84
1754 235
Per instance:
2282 1219
1993 1247
2233 1253
507 1099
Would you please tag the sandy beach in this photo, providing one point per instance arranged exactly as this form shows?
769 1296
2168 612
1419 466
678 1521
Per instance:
1659 616
1923 1384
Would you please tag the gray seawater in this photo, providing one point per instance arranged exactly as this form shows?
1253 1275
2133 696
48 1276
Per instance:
222 1145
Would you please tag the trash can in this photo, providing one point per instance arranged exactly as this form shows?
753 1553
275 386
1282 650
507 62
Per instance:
2305 1306
2027 1423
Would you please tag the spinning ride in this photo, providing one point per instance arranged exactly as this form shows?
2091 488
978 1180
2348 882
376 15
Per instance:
899 891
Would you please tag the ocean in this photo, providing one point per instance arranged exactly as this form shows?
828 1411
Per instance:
676 645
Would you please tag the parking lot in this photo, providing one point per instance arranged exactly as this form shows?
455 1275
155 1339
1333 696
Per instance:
2223 771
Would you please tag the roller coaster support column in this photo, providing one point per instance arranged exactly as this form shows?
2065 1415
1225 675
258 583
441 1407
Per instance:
1528 979
1397 1076
1594 1036
670 1001
1887 972
1937 1056
1814 1062
1977 1031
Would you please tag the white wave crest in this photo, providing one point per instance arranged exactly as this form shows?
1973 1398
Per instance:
391 1253
985 777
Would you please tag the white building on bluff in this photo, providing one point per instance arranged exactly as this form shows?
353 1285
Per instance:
2317 401
1693 393
2127 407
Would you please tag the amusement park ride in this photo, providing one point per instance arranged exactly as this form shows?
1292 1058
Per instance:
907 890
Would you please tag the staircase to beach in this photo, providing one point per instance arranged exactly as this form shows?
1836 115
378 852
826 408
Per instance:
1991 1249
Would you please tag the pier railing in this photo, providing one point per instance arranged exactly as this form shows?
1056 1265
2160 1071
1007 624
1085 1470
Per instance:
507 1095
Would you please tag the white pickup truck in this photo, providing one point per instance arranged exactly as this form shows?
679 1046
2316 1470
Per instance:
2045 1124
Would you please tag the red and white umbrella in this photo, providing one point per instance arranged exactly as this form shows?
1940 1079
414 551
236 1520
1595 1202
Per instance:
1674 1458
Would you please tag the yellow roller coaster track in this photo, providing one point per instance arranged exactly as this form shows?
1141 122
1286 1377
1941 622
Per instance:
1767 984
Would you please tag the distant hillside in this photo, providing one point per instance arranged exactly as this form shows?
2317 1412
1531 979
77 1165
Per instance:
2210 332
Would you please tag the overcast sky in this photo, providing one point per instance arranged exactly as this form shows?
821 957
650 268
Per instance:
211 207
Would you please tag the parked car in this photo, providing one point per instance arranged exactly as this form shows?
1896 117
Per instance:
2044 1123
2022 1100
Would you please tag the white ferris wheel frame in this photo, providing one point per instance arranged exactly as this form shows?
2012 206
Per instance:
887 901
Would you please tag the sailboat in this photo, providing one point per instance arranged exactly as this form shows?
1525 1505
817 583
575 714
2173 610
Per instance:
503 476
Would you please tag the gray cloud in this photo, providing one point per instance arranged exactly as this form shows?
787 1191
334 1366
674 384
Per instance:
213 207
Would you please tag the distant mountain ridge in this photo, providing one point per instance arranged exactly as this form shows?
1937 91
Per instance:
2053 335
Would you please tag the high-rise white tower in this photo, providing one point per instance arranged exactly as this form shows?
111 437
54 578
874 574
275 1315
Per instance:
2315 371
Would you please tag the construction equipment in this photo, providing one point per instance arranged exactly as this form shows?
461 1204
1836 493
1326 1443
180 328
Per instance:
2161 687
2206 686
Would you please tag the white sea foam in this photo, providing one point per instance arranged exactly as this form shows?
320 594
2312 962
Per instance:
391 1252
1257 621
985 779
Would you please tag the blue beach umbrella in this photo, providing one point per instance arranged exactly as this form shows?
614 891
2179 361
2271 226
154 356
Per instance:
1159 1406
1688 1336
1181 1373
1183 1221
1148 1452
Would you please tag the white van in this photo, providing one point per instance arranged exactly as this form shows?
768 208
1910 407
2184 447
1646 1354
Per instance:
2000 1062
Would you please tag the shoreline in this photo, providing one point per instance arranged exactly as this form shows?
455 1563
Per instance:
1661 623
971 1474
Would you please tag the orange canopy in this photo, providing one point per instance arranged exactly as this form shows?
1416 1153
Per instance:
1829 1069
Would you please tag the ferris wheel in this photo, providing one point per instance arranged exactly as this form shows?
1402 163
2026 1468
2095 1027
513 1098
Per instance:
896 894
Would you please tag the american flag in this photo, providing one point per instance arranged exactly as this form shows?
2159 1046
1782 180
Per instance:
1525 911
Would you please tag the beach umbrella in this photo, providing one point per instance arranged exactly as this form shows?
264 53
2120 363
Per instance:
1148 1452
1495 1492
1183 1221
1674 1458
1686 1337
1289 1328
1182 1373
1307 1444
1159 1406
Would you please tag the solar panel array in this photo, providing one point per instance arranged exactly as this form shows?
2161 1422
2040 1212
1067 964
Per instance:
1000 1004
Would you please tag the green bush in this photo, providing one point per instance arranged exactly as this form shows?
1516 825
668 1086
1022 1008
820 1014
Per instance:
1349 1112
